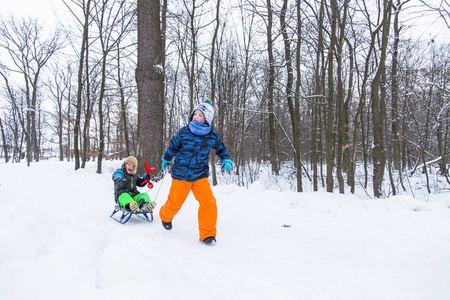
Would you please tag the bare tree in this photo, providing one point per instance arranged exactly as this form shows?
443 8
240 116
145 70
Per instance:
330 103
292 99
16 121
378 106
29 50
60 90
318 88
270 91
123 104
213 83
85 6
341 107
109 16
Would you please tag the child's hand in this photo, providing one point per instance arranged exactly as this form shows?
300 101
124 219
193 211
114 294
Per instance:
146 176
227 165
165 163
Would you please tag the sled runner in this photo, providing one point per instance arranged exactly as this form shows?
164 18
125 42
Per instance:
126 215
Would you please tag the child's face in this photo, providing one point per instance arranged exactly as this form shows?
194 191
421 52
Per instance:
130 168
198 117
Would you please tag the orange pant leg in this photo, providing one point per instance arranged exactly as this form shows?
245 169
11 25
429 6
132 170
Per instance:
177 195
207 212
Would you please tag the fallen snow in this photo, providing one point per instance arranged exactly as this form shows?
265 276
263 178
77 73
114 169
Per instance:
57 241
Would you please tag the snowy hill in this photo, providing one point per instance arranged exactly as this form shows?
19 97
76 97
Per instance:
57 241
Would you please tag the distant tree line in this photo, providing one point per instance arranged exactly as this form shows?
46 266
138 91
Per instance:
336 91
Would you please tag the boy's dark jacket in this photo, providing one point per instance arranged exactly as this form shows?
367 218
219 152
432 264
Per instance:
126 183
191 153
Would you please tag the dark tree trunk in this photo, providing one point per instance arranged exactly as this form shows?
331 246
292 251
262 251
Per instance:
123 106
317 91
330 108
5 146
76 133
150 83
378 150
270 92
293 106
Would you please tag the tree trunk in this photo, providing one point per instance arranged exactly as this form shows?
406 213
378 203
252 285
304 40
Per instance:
394 106
34 125
340 99
358 120
270 92
5 145
76 133
213 85
123 107
293 107
378 150
348 101
150 83
318 99
88 108
101 139
330 108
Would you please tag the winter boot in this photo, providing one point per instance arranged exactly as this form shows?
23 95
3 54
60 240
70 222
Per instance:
148 206
167 225
132 206
209 240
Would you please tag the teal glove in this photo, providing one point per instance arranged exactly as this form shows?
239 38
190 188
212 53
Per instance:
227 165
165 163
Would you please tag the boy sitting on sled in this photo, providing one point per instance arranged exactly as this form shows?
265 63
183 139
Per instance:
125 188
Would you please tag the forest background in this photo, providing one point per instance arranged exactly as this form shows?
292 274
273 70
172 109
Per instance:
327 94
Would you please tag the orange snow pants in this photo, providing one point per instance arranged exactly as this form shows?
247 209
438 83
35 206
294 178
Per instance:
207 212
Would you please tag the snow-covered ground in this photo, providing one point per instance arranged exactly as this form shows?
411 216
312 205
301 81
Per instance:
58 241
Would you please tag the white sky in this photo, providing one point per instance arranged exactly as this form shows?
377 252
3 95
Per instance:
425 25
54 11
49 12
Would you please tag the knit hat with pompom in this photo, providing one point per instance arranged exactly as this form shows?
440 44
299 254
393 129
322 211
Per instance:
207 109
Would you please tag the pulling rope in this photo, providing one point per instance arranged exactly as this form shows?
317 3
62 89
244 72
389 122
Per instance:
162 181
147 179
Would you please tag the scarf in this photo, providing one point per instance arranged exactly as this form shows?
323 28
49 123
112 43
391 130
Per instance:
198 128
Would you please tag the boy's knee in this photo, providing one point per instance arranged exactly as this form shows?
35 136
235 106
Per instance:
146 197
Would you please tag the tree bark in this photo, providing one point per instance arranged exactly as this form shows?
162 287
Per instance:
76 132
330 108
123 106
270 92
213 85
5 144
293 106
318 99
378 150
340 98
150 83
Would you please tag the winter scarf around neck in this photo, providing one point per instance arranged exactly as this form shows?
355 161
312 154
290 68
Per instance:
198 128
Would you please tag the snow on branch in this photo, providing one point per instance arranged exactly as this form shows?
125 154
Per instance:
423 165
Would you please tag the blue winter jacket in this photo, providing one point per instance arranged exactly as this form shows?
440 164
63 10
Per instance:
191 153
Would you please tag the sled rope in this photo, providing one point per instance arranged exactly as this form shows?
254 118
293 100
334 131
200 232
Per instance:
159 188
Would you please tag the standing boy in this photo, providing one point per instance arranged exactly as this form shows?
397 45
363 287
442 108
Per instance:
190 147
